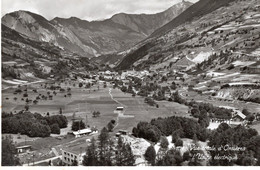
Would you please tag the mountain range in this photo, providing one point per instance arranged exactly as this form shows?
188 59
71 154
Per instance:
207 35
90 39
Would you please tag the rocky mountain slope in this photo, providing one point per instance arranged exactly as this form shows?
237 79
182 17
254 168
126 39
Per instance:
90 39
209 34
147 23
31 60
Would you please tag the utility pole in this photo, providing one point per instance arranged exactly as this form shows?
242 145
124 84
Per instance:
86 119
33 158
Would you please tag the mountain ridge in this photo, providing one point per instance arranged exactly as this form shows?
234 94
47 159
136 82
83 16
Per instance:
87 38
196 32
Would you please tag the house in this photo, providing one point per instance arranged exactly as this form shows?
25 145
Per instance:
23 149
119 110
81 132
123 132
238 116
126 82
9 63
72 155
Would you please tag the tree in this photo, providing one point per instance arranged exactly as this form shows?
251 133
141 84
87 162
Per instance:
55 129
80 84
60 111
91 157
123 88
77 125
111 125
124 154
150 155
179 142
172 158
175 136
26 107
103 143
246 112
173 85
195 112
119 152
250 118
8 152
96 114
164 142
128 155
186 156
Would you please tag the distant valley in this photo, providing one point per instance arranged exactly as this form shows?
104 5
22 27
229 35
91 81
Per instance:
90 39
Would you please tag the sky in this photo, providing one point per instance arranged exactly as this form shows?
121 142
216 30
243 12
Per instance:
86 9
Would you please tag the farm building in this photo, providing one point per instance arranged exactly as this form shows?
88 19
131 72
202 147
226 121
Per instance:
119 110
81 132
238 117
23 149
123 132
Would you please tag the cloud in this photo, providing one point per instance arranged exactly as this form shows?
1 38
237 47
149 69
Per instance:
86 9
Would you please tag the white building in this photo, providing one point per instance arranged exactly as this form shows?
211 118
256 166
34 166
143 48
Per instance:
70 156
81 132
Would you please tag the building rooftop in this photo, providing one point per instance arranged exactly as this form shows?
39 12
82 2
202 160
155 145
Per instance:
25 146
76 149
82 131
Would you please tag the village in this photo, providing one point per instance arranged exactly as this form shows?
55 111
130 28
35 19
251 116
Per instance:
142 90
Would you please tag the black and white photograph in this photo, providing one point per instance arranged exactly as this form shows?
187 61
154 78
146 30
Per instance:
130 83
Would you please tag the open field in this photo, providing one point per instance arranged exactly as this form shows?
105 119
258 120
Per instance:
83 102
252 107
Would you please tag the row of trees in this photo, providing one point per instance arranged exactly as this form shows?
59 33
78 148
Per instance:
166 126
203 110
33 125
106 153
